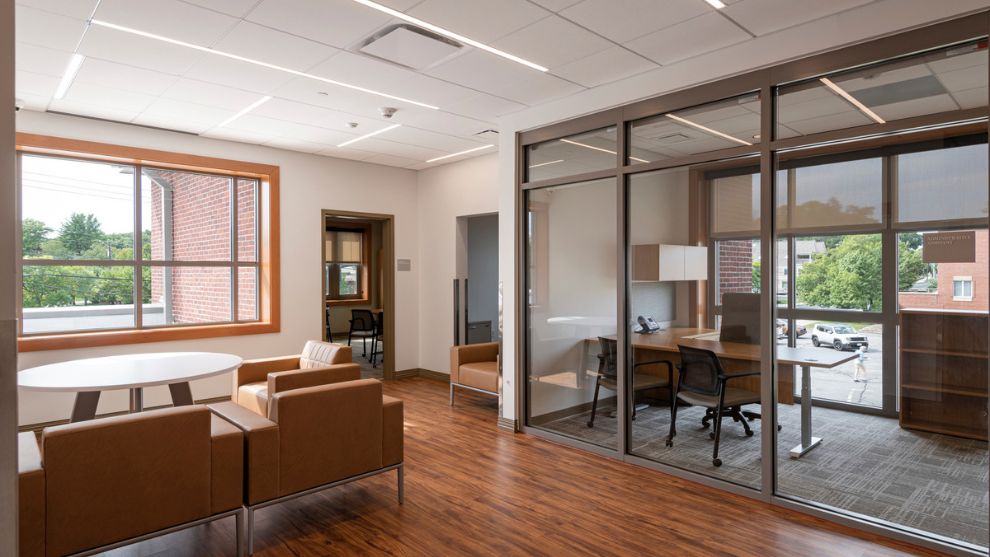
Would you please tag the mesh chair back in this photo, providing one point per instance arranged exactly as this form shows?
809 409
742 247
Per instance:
699 371
606 360
380 323
362 320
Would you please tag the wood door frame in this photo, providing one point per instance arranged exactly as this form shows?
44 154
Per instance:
387 273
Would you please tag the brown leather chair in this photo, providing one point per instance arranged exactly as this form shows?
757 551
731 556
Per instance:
96 485
474 367
320 363
315 438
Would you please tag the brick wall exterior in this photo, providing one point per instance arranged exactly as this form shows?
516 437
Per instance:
735 266
201 232
942 299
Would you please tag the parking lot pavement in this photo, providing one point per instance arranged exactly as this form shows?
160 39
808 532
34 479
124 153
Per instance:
838 384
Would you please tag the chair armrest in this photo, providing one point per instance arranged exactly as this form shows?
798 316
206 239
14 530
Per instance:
392 431
31 496
261 438
300 378
469 354
226 465
252 371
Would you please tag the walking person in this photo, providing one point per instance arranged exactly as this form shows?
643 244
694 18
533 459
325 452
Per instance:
860 373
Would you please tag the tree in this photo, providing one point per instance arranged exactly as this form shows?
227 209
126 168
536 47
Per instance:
34 233
80 232
756 276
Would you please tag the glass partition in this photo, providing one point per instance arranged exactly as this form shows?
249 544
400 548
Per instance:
576 154
571 244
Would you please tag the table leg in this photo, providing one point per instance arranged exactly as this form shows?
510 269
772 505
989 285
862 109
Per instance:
137 399
807 441
85 406
181 394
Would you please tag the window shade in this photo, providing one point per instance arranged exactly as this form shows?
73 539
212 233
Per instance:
736 205
942 185
344 246
848 193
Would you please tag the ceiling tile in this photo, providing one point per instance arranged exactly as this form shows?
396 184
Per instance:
279 128
766 16
346 153
431 139
301 113
552 42
125 78
48 29
169 18
116 46
556 5
34 84
210 94
186 111
695 36
93 111
391 160
481 20
242 136
383 144
77 9
451 124
275 47
484 107
486 72
173 123
97 95
295 145
237 74
605 67
309 91
338 23
41 60
624 20
236 8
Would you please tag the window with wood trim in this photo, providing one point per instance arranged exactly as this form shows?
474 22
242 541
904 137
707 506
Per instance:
347 259
122 245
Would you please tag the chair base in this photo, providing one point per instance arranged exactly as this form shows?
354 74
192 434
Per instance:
475 389
237 513
258 506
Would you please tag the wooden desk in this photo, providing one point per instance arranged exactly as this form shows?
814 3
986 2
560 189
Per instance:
736 356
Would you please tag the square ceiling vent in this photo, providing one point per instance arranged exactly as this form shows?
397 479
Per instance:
410 46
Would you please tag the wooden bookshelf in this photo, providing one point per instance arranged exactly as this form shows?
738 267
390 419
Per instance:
943 372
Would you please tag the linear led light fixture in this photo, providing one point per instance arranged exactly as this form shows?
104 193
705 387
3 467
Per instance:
450 34
695 125
69 75
482 148
169 40
717 4
247 109
852 100
546 163
602 149
367 135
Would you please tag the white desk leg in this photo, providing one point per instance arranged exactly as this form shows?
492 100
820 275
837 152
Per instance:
807 441
137 399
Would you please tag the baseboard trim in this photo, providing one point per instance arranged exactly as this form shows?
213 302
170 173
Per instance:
406 373
40 426
435 375
508 424
567 412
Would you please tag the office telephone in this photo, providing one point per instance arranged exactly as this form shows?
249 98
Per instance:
646 325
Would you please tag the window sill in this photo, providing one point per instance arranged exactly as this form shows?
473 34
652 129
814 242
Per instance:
66 341
349 302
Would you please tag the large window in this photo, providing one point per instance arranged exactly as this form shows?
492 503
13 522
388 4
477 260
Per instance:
346 266
113 247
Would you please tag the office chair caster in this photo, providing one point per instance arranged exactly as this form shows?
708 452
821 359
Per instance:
669 442
711 434
717 461
749 433
591 424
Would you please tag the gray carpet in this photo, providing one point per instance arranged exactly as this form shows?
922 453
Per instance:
865 464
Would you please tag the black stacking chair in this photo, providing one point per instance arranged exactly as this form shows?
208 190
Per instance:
363 327
607 376
378 340
703 382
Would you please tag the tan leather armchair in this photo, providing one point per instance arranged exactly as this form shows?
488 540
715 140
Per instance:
320 363
95 485
315 438
474 367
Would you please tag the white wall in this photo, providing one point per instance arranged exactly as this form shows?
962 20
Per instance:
445 193
309 183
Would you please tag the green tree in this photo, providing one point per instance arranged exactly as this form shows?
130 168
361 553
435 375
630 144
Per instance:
79 232
756 276
34 233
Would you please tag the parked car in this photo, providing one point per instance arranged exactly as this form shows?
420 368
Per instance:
840 337
783 329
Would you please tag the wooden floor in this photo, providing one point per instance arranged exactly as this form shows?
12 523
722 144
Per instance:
472 489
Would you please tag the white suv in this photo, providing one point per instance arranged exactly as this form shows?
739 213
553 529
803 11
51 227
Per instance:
840 337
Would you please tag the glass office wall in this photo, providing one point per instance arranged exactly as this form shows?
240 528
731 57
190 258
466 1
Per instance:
571 292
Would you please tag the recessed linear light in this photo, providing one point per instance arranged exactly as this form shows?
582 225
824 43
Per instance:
169 40
687 122
450 34
366 136
852 100
249 108
483 147
717 4
546 163
75 62
602 149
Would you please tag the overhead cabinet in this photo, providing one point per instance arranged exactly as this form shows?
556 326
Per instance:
667 262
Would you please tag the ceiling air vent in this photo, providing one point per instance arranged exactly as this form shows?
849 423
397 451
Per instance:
409 46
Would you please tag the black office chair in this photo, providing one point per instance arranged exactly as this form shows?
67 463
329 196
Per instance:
378 339
363 327
327 325
608 376
703 382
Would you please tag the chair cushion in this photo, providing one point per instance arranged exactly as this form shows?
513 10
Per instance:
321 354
254 397
734 396
480 375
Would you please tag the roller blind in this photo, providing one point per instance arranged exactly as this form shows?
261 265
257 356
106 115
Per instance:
847 193
736 205
942 185
344 246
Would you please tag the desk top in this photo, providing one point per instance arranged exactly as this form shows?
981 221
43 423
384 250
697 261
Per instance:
126 371
667 341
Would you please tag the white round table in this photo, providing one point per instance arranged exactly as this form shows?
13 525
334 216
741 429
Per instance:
89 377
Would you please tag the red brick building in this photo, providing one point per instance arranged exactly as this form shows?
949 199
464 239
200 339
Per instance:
952 291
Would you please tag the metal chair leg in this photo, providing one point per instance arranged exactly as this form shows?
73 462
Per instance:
250 531
594 405
239 532
718 433
451 393
402 495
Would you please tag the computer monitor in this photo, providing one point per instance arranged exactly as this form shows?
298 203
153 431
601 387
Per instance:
740 318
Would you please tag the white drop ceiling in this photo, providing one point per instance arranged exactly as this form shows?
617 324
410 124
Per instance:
584 43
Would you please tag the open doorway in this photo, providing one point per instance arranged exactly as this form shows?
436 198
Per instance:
358 287
476 286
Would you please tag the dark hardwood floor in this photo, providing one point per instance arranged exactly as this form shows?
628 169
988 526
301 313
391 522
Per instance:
472 489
